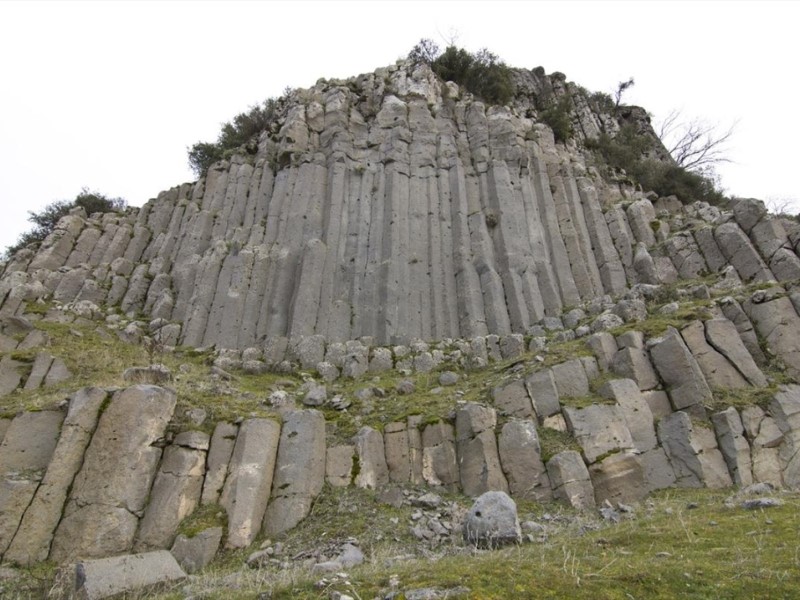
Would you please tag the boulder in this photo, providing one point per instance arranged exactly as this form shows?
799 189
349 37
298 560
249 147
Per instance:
492 521
512 399
543 393
106 577
733 445
219 455
635 410
339 465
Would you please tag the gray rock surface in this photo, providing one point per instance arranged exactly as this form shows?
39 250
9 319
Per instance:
682 376
219 455
175 493
570 480
439 463
249 480
32 540
194 553
618 478
299 471
692 450
25 453
521 459
110 491
369 451
129 573
476 447
733 445
599 429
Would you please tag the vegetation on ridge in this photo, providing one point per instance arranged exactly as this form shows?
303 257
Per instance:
46 219
482 72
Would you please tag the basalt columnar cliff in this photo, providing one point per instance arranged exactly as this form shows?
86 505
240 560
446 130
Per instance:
394 223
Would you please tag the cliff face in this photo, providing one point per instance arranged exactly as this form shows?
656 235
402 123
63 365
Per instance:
390 205
381 209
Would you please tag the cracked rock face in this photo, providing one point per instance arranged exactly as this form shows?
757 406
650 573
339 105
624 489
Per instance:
101 520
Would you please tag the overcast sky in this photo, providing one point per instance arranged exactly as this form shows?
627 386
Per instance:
108 95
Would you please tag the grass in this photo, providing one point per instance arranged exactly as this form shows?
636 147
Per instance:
668 550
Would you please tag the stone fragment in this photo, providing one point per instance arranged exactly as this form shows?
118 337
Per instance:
299 471
194 553
492 521
249 480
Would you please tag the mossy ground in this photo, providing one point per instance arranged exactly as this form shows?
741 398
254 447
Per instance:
667 550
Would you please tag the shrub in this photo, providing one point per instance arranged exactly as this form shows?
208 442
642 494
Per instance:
482 73
233 134
629 151
45 220
559 118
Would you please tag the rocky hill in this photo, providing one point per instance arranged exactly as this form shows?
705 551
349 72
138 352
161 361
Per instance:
398 288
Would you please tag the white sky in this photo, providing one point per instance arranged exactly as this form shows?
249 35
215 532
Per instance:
108 95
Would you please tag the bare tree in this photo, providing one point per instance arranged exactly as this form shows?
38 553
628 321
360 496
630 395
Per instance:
696 145
622 87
